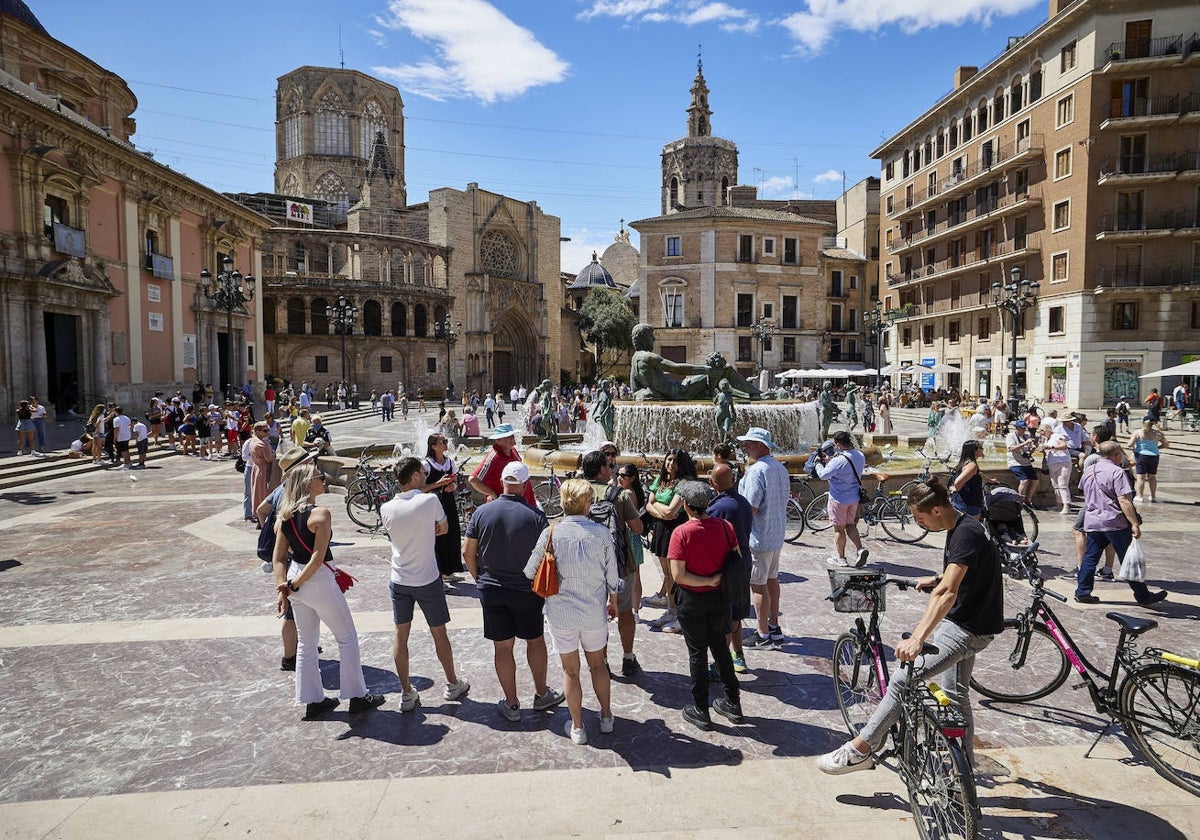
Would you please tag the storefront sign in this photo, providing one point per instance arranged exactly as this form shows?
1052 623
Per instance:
298 212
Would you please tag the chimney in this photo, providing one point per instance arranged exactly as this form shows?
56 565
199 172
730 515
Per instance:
962 75
1057 6
742 195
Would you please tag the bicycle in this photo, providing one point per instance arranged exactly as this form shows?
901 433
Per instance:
887 509
926 472
464 497
1157 702
366 493
547 492
800 495
928 738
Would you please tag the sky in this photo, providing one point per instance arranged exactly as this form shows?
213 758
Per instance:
563 102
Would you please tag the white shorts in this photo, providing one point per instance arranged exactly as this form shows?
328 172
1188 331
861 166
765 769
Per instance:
569 641
764 567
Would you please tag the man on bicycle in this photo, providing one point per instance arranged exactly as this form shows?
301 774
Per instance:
966 609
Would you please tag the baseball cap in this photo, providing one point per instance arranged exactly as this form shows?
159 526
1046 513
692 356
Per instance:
515 473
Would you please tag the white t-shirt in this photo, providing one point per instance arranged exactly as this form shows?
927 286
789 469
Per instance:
121 426
410 519
141 430
39 412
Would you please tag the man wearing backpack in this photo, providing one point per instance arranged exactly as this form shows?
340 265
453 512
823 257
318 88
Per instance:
617 510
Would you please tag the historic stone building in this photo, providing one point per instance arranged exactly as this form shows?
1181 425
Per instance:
1071 159
101 248
473 262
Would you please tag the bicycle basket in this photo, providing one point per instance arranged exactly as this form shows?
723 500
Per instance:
855 599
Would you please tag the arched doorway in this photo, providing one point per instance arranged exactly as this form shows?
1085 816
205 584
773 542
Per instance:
516 359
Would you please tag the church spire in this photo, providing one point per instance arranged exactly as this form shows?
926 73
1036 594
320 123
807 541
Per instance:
699 115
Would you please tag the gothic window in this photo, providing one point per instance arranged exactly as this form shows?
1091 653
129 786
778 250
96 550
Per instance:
291 184
498 255
399 319
320 319
420 327
291 129
330 188
372 123
331 127
295 316
372 318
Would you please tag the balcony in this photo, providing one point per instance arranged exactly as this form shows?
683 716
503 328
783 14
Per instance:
1147 112
1139 226
1126 277
1151 52
1145 169
1017 247
989 211
968 177
844 357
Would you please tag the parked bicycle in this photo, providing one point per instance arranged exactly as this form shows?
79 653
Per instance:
1156 701
800 495
547 491
464 496
888 509
928 739
926 472
367 491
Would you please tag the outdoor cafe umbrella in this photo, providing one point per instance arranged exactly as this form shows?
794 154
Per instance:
1186 369
944 368
894 367
916 369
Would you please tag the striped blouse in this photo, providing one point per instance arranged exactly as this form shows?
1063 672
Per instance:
587 573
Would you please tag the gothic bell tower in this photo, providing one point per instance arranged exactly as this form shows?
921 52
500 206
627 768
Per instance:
699 169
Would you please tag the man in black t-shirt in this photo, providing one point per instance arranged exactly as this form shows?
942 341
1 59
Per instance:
966 609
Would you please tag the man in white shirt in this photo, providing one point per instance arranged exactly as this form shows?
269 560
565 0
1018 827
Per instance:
141 433
413 519
122 427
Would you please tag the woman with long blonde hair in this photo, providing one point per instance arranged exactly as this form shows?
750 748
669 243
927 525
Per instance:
308 584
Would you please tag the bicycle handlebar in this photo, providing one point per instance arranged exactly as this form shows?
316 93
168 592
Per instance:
901 583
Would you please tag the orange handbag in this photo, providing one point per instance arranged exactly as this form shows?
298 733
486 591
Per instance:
545 582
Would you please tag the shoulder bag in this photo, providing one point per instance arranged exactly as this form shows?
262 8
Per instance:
863 498
343 578
545 582
731 580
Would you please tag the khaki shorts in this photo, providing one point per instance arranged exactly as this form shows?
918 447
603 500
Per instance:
765 566
569 641
625 596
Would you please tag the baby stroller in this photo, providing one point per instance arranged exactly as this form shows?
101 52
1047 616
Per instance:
1008 517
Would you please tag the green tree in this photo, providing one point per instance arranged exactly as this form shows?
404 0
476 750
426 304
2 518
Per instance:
606 322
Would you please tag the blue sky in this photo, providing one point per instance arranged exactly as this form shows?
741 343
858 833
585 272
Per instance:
566 102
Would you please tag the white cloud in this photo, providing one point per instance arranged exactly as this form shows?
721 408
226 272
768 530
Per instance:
578 252
813 29
687 12
776 187
478 51
829 175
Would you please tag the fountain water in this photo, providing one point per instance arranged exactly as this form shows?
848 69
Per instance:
657 427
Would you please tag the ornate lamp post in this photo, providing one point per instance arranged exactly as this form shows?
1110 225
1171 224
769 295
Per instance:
877 322
444 330
1014 298
762 331
227 293
342 315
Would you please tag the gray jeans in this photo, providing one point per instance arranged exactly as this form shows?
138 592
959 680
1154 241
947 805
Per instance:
956 649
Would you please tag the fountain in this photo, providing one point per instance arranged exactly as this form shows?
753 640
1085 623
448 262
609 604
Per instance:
657 427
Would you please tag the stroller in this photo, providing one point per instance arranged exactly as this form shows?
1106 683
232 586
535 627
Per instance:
1002 512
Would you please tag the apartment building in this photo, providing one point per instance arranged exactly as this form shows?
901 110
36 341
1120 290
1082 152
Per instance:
1071 160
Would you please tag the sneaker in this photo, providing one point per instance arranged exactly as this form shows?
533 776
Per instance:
409 700
314 710
861 559
287 663
1138 499
776 633
837 561
366 703
1154 598
845 759
455 690
578 736
1106 574
658 601
606 725
548 700
509 713
698 718
728 710
1086 599
672 626
739 664
630 666
665 618
757 641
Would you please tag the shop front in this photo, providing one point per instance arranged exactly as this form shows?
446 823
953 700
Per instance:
1121 378
1056 380
983 377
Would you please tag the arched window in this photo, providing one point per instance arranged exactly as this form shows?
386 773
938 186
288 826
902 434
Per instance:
320 319
439 314
268 312
291 128
1016 95
331 126
372 318
330 188
672 195
724 198
295 316
371 124
399 319
420 327
291 184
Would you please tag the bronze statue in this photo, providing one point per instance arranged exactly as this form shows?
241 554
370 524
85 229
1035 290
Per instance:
603 412
649 380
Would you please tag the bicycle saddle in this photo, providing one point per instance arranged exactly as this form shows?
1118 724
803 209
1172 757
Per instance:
1131 624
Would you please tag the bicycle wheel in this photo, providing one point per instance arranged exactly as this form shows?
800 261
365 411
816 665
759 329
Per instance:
899 523
1022 663
362 507
795 521
1029 522
854 679
941 786
816 513
547 494
802 492
1160 708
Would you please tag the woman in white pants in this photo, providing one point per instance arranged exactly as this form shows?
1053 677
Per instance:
1058 462
309 585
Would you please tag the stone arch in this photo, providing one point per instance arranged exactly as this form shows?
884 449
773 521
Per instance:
291 184
296 316
515 358
329 187
292 133
500 255
420 321
320 318
372 318
399 319
372 122
331 124
269 315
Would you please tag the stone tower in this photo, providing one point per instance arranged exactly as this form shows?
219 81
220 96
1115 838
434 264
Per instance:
334 129
698 170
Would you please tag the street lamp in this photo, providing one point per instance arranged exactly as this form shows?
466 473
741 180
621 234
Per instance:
342 315
227 293
445 331
876 322
762 331
1014 298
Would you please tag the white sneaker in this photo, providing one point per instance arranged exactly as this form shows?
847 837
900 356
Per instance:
845 759
861 559
579 736
606 725
1137 498
409 700
672 626
665 618
456 690
837 561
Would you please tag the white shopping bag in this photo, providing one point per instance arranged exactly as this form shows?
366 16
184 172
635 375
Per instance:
1133 564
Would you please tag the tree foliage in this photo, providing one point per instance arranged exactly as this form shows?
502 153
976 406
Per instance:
606 322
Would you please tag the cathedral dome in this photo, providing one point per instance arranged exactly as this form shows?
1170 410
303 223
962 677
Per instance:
593 274
17 9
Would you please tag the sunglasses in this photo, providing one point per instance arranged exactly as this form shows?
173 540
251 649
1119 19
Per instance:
626 475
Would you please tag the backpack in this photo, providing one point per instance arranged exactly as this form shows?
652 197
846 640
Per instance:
604 512
266 538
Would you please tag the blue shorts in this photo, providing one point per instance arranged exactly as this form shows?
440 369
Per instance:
431 597
962 507
1024 473
511 613
1145 464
